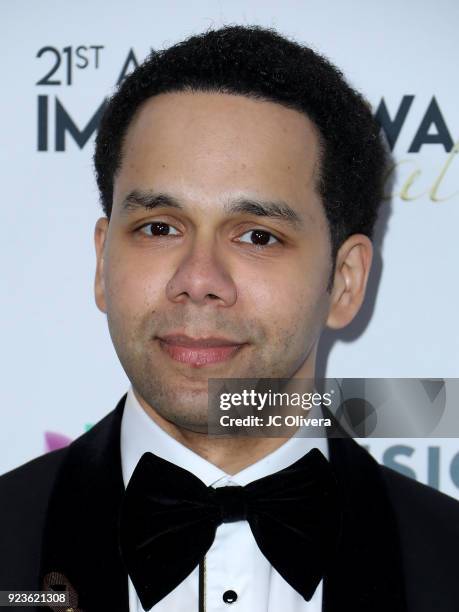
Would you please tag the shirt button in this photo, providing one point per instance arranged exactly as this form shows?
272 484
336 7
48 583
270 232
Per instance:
229 597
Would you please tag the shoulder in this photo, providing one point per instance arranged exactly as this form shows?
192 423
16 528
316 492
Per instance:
27 491
30 480
428 525
24 495
416 503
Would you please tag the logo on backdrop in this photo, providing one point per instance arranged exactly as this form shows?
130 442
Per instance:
64 68
60 69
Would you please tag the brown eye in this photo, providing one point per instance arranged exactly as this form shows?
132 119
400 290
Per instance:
158 228
259 237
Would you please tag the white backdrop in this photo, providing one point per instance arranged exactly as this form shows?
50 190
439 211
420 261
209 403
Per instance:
59 370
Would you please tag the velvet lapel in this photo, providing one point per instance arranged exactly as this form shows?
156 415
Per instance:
367 575
81 532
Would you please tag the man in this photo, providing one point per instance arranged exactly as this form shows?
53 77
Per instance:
240 178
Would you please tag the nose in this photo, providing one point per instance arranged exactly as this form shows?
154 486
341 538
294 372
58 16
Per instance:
202 277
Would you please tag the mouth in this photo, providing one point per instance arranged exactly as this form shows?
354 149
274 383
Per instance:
199 352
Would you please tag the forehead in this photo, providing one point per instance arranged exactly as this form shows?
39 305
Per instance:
215 143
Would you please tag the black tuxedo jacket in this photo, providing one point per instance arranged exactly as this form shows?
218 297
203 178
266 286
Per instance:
399 550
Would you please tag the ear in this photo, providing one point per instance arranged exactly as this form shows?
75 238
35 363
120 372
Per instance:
353 262
100 237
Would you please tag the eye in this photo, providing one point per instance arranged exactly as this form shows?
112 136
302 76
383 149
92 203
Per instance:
259 237
158 228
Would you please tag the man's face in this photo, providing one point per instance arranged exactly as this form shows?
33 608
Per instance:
186 254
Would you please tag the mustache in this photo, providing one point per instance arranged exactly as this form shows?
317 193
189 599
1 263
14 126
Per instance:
199 326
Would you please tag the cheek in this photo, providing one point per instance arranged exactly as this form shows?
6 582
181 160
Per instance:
132 286
291 304
289 293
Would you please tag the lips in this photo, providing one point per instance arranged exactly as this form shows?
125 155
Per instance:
199 352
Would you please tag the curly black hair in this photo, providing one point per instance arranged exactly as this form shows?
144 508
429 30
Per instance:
261 64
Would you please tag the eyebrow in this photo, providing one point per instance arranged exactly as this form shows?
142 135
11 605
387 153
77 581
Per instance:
149 200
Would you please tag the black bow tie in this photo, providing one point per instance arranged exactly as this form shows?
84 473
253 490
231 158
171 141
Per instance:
169 518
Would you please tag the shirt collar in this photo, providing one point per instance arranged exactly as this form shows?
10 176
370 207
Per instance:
140 434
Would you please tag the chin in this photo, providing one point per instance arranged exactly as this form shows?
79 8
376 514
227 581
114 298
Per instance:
189 422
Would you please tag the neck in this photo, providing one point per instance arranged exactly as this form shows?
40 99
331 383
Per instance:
229 454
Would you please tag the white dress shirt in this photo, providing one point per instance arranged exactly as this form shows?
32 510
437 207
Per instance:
234 561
